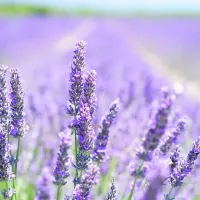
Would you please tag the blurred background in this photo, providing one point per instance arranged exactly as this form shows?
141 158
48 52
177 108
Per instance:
38 36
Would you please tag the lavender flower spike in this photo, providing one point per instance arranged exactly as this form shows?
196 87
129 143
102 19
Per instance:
185 167
18 127
76 78
175 157
89 97
112 192
4 103
166 146
8 194
101 141
82 191
61 171
43 188
158 124
5 169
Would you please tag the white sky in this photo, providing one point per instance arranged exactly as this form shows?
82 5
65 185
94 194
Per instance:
120 4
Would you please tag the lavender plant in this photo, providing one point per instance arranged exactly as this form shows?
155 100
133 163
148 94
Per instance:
102 138
183 167
93 144
61 171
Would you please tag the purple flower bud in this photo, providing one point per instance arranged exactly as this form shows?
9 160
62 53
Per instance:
158 123
82 191
4 103
184 167
171 139
18 127
8 194
89 97
61 171
101 141
5 169
76 78
112 193
44 192
175 158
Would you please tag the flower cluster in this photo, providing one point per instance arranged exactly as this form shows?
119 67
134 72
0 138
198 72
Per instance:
5 169
43 187
171 139
61 171
76 78
184 167
101 141
18 127
89 96
112 193
158 124
82 191
4 103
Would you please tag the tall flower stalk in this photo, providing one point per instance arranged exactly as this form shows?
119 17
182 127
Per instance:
182 167
101 140
61 171
6 173
17 121
75 92
154 132
112 193
83 190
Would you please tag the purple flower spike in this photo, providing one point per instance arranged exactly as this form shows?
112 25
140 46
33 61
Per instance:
184 167
4 103
61 171
18 127
112 193
103 135
5 169
171 139
175 157
43 187
8 194
89 97
82 191
76 78
158 124
85 129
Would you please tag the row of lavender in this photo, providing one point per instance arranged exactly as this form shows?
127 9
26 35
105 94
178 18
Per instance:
97 155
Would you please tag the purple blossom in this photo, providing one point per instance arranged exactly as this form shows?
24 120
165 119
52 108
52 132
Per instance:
76 78
4 103
18 127
61 171
85 129
184 167
158 124
44 191
112 193
8 194
89 96
172 138
175 157
82 191
101 141
5 168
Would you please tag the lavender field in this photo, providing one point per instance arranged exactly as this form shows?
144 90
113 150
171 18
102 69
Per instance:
99 108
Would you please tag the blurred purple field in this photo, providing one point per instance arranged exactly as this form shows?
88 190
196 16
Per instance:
133 59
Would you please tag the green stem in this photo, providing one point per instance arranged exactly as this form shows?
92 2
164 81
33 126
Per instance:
134 183
58 193
17 156
168 196
14 186
76 153
15 167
